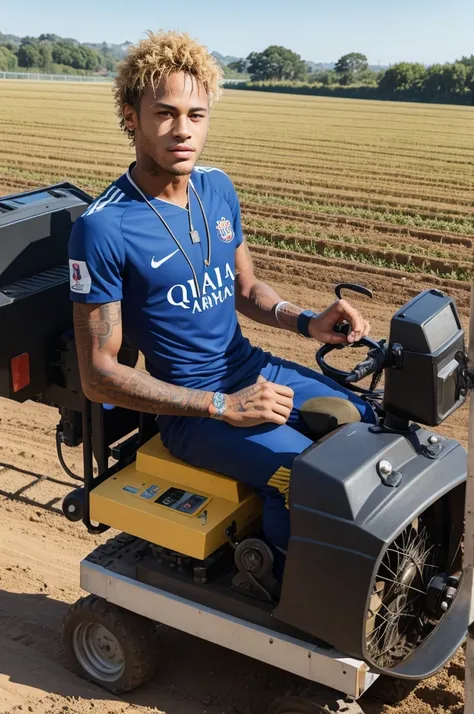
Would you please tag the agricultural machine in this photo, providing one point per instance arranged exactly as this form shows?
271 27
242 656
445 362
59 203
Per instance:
372 593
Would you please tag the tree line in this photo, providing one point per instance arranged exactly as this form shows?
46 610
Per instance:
449 82
49 53
279 67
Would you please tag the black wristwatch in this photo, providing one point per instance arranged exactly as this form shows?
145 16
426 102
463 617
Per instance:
302 323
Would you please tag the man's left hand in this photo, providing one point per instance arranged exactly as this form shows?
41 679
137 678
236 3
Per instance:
321 328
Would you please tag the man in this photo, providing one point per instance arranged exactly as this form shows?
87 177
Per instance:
161 252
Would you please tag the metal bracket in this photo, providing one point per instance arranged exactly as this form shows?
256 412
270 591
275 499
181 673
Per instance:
465 376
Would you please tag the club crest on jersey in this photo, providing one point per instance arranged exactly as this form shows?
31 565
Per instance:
224 230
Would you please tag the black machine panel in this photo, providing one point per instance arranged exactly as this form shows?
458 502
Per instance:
428 333
35 309
35 228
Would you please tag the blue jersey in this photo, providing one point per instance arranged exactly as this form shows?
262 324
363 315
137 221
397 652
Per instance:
184 322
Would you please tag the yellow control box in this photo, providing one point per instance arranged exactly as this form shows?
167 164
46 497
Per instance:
170 503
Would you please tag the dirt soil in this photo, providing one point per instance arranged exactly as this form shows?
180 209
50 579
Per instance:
40 553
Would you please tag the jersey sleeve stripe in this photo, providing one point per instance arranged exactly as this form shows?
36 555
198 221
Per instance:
94 205
104 203
115 198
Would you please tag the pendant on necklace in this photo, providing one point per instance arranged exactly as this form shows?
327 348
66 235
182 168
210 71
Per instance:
195 237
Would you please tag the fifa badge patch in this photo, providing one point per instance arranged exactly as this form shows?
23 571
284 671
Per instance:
224 230
79 277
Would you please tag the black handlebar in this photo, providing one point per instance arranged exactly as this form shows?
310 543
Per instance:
362 370
354 287
377 352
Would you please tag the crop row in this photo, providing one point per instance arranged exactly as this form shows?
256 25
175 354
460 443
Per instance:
16 155
242 155
295 229
297 215
318 181
334 260
363 194
269 153
393 259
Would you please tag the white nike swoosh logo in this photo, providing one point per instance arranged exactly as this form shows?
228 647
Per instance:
157 263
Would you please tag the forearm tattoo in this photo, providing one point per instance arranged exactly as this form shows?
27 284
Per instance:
260 306
106 380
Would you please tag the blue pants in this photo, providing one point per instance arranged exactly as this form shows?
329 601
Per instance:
259 456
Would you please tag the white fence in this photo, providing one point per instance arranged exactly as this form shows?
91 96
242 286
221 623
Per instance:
53 77
76 78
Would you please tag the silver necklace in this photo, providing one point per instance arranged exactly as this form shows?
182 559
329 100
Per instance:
194 234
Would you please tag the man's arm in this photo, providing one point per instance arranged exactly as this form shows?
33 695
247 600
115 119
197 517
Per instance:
98 333
258 301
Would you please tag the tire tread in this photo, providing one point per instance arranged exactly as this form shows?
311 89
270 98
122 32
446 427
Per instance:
137 634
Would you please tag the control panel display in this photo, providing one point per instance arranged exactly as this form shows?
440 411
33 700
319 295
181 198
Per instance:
180 500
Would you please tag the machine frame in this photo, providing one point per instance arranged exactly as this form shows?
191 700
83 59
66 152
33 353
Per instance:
110 574
318 664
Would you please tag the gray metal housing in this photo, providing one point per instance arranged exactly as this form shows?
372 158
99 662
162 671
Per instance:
343 518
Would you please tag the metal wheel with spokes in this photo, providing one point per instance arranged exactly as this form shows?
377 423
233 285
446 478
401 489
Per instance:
108 645
400 614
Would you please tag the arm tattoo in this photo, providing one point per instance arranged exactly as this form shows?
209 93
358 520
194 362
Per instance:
109 381
288 316
134 389
260 306
98 328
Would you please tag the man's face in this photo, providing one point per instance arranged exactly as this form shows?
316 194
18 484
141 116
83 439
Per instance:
171 126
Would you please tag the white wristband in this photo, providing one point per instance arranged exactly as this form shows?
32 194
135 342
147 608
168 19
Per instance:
277 307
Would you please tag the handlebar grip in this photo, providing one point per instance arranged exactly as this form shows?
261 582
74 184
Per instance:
343 329
363 369
354 287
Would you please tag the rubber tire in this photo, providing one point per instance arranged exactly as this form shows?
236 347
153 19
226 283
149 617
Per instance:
391 690
136 634
308 699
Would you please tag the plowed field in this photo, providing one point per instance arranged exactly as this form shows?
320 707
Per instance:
331 190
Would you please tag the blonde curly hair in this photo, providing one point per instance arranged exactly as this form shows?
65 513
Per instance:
160 55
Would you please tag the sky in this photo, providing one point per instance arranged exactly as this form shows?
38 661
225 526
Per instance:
386 31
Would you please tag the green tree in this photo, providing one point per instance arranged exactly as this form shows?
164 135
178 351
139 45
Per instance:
277 63
408 77
448 80
469 63
109 63
48 38
349 66
46 56
239 66
326 77
75 55
29 53
8 60
367 77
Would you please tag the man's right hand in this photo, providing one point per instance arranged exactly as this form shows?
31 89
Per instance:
261 403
